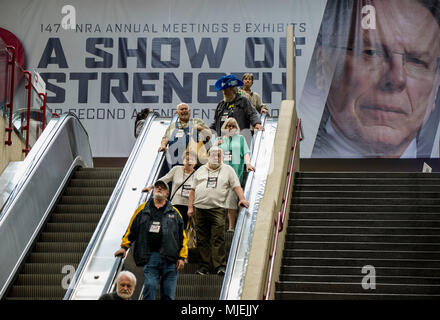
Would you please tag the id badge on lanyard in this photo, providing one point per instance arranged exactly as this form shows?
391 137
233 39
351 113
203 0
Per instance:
180 133
212 182
227 156
186 188
155 227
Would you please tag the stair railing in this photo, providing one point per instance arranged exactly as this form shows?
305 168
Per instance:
281 216
13 76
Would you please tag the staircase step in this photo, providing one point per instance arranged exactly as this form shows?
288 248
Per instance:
297 295
343 287
381 176
361 230
347 245
354 187
361 262
364 238
366 201
366 254
357 270
368 215
364 223
358 279
368 181
355 193
331 208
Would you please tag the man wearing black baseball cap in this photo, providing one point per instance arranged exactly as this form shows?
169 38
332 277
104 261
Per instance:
234 106
161 250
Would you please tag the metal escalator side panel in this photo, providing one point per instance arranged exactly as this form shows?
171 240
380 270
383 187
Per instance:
62 146
98 260
254 191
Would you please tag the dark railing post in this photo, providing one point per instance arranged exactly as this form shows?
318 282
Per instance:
43 108
27 127
10 104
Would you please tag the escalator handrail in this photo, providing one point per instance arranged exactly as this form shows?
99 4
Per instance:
242 215
111 206
35 156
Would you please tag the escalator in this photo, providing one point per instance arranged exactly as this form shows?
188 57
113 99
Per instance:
61 207
65 237
48 256
191 286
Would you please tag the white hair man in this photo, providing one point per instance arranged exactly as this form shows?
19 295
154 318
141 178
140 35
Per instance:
125 285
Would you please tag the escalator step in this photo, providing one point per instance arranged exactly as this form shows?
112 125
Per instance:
40 279
98 174
55 257
70 227
191 292
56 292
76 191
198 280
65 237
95 183
75 217
99 200
45 268
60 247
87 208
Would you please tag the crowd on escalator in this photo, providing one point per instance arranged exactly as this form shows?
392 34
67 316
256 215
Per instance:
208 168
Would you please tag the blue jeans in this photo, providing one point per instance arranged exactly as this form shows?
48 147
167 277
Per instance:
162 269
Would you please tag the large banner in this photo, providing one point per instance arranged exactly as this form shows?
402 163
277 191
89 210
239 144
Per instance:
366 70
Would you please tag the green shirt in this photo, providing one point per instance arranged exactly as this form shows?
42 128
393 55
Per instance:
234 148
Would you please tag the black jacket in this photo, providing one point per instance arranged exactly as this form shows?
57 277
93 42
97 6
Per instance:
243 112
174 239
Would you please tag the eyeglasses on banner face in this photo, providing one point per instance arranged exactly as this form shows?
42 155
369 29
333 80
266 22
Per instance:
417 66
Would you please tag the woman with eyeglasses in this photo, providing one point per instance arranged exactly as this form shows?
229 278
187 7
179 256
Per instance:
236 153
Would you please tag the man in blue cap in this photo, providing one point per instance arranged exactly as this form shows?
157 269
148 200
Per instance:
234 106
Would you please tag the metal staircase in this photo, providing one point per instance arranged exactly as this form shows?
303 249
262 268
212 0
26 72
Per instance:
347 230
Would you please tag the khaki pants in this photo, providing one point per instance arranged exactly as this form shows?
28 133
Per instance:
210 231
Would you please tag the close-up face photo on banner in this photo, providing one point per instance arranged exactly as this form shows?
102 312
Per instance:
372 84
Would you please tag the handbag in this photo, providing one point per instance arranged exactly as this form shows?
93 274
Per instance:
191 234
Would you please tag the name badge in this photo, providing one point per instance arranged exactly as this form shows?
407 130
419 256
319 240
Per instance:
185 190
212 182
180 133
155 227
224 117
227 156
